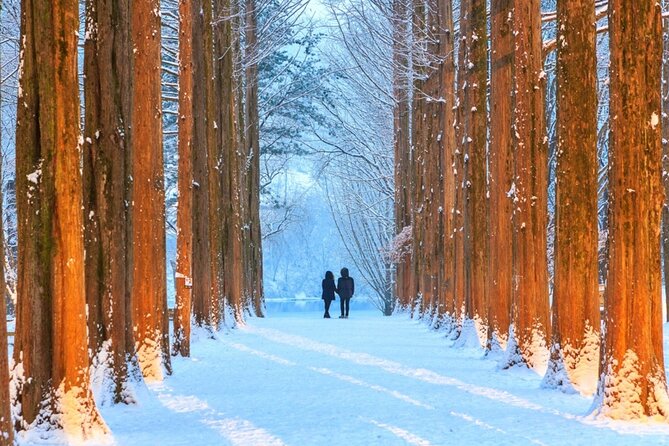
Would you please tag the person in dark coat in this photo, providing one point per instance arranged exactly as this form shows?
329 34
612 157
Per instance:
345 289
329 290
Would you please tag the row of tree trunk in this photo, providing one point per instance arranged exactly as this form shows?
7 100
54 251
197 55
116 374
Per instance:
91 204
472 183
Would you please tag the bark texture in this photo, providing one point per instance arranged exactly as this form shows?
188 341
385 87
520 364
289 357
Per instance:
633 382
184 274
51 345
149 297
500 224
575 311
106 135
530 301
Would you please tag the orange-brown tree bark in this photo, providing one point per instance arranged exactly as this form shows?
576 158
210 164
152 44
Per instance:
500 215
184 273
106 134
633 381
575 311
149 297
51 344
474 141
530 300
665 161
402 150
201 292
214 162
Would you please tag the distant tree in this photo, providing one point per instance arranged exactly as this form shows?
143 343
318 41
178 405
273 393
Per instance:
575 310
51 344
184 271
632 378
148 284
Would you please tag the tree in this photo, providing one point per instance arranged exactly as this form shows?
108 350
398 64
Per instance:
500 270
530 301
474 140
106 135
665 157
148 293
575 310
51 345
184 273
632 380
6 428
402 148
252 119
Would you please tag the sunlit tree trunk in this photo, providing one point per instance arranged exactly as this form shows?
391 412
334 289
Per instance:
149 297
183 282
500 176
665 159
403 178
530 301
475 134
575 311
253 154
51 344
107 77
201 292
633 382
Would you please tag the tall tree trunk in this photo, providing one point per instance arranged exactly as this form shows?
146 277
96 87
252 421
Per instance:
447 117
51 343
665 159
575 312
184 275
6 429
500 177
530 301
475 135
214 161
201 292
149 297
253 156
459 173
403 177
107 76
633 382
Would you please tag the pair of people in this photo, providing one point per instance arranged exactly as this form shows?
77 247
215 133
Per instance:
345 288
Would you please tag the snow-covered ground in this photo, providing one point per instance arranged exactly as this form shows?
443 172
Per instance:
294 378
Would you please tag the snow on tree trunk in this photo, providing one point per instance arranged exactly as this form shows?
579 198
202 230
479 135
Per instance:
575 312
500 271
184 273
632 383
51 371
148 293
665 158
530 300
474 139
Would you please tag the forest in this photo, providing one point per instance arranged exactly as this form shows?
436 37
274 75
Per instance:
494 169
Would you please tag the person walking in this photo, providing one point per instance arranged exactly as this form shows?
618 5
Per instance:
329 290
345 289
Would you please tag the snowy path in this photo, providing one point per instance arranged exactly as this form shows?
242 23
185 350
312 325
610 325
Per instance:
296 379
